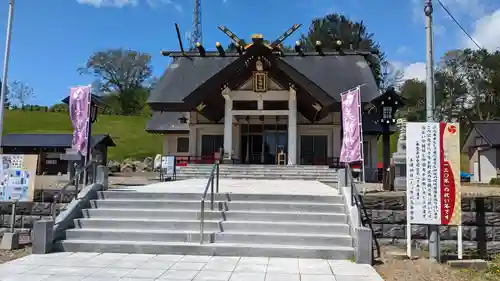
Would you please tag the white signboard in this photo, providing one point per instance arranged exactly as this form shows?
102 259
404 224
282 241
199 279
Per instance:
168 165
423 173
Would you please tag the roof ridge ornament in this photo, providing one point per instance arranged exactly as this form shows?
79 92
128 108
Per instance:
259 66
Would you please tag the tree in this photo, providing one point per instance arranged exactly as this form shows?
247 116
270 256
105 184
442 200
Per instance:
20 93
414 91
334 27
390 76
123 72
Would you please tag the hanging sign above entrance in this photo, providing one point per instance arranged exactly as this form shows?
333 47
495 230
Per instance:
260 78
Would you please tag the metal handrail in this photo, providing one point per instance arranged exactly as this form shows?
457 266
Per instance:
357 199
61 192
213 178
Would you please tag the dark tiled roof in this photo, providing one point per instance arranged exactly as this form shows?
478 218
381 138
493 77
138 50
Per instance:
184 75
333 74
490 130
167 122
337 74
50 140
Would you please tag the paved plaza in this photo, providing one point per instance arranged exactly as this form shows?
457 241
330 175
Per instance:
249 186
139 267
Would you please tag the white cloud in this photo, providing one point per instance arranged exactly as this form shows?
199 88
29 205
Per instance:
485 32
410 71
123 3
415 71
109 3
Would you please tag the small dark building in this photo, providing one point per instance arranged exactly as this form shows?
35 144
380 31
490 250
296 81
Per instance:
49 148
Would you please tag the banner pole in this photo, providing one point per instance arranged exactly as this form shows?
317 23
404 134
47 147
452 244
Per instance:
361 137
89 136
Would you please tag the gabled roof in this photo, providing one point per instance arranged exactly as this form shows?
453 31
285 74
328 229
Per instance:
489 130
328 75
337 74
167 122
50 140
184 75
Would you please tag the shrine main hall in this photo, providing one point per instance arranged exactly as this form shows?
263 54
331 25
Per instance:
260 102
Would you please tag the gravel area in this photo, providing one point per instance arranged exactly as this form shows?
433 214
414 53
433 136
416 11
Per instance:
421 269
6 256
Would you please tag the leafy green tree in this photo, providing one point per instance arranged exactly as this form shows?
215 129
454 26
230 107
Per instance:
124 72
334 27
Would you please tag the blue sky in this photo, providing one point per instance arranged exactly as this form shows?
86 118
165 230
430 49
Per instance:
52 38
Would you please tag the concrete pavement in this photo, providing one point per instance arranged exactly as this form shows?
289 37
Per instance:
138 267
285 187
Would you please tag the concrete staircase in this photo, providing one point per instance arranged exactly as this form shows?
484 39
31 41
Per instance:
238 171
240 225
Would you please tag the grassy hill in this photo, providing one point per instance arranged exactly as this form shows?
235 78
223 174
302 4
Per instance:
127 131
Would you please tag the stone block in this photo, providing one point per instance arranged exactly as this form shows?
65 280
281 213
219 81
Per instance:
43 238
469 264
364 245
10 241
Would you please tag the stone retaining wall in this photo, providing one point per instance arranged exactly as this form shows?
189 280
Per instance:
26 214
480 220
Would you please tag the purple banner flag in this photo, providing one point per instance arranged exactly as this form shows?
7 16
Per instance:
79 113
351 122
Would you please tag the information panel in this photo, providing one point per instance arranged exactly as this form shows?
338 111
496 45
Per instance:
433 173
17 177
168 166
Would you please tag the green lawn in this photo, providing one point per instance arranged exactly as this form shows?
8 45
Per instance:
127 131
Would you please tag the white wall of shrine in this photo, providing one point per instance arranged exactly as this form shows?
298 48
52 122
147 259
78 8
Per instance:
328 126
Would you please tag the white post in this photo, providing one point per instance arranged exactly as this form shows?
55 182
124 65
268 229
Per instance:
6 64
292 127
192 140
228 128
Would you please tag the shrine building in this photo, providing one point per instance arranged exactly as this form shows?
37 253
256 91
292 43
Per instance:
258 102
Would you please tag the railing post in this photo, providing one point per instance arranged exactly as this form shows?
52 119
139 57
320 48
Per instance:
212 193
13 217
202 219
101 176
54 208
217 178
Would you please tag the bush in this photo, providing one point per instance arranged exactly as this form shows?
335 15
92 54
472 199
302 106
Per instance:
495 181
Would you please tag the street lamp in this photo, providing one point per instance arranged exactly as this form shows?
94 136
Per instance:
387 106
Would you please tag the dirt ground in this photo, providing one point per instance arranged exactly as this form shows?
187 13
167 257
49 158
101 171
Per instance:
421 269
6 256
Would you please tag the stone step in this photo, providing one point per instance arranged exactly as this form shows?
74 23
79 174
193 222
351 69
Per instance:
152 204
284 227
285 217
303 207
283 171
302 239
256 166
110 234
156 224
261 177
319 172
152 214
133 195
211 249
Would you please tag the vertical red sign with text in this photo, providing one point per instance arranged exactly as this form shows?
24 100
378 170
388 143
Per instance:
450 173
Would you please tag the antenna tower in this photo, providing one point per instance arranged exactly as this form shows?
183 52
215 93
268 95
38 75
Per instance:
196 34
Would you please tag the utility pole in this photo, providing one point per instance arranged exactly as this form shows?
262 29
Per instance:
3 93
429 108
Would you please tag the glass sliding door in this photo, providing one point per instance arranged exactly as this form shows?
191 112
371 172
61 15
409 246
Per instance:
313 150
211 144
